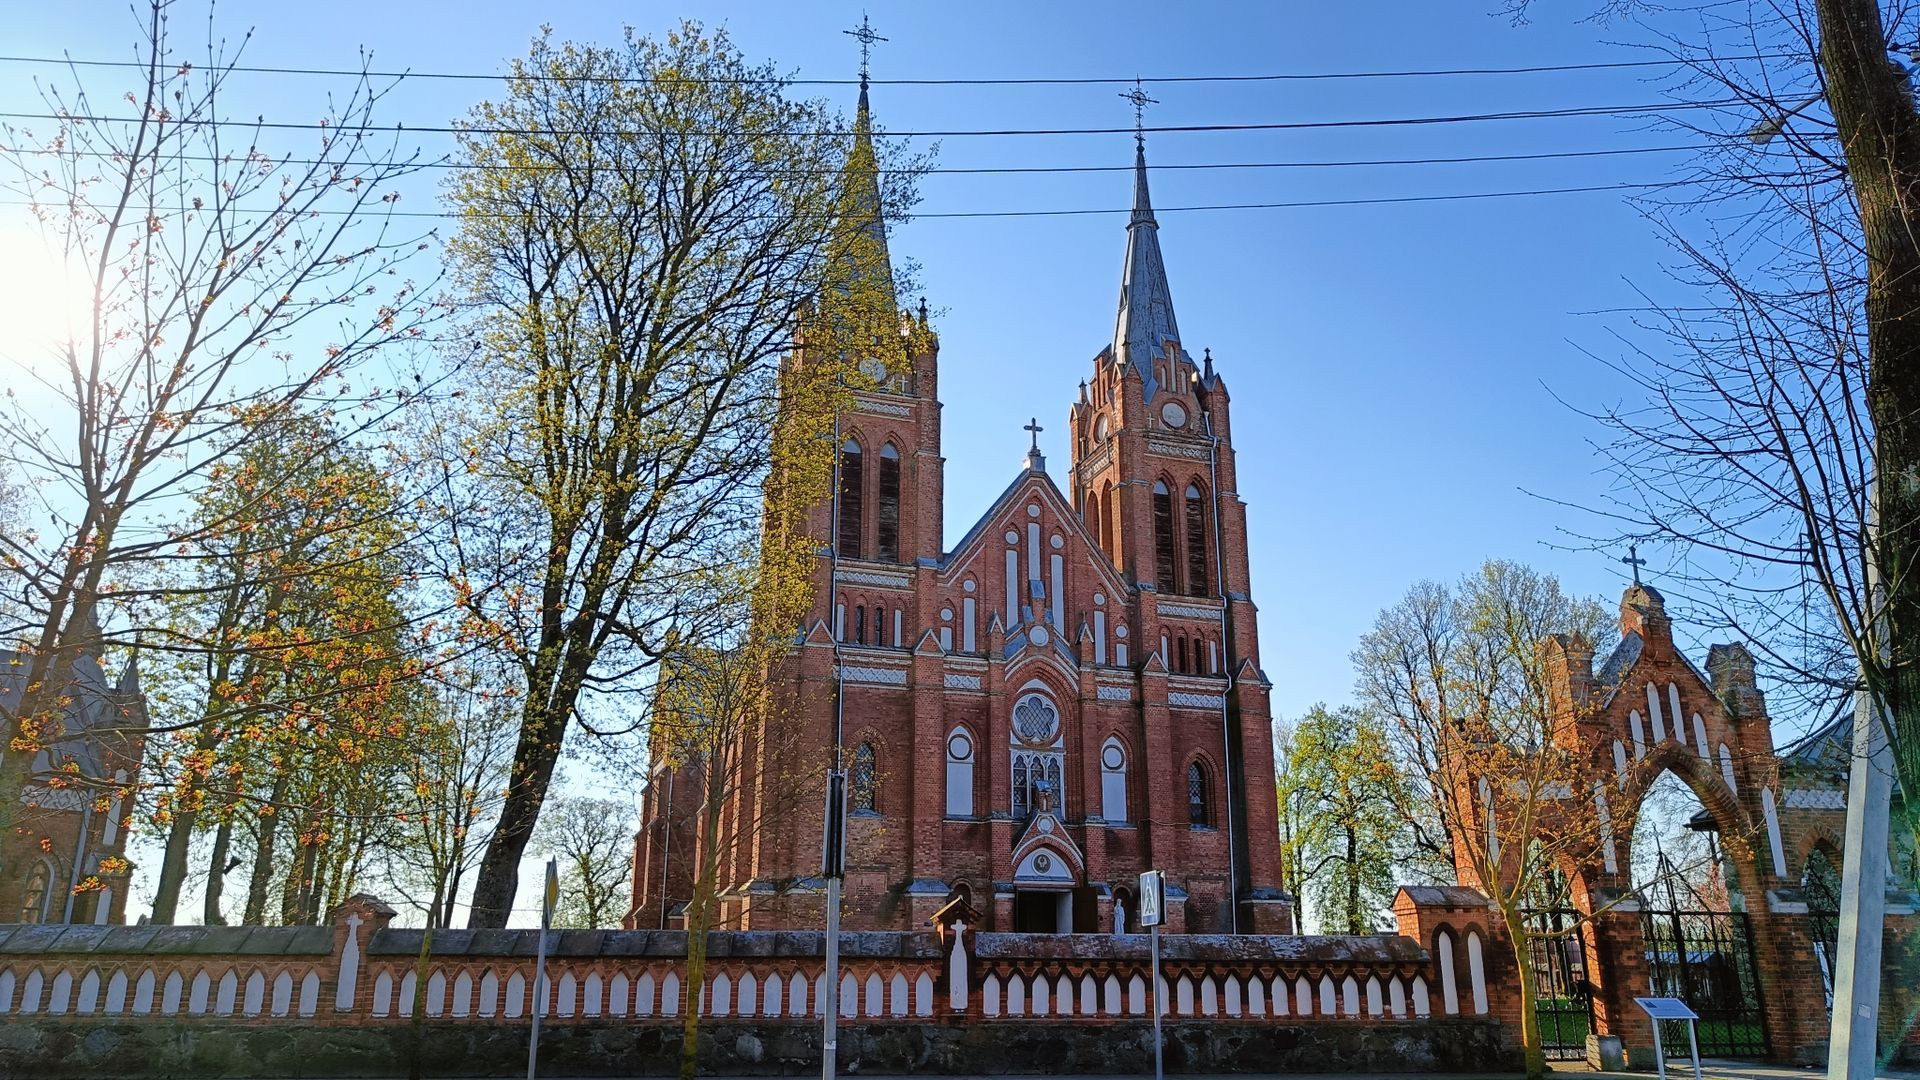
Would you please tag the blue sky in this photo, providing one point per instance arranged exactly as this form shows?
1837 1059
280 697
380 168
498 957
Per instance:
1393 367
1390 364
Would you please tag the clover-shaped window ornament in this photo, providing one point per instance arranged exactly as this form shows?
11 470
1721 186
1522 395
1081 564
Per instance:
1035 720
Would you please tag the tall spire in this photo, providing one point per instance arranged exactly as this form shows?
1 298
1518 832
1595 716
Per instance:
1146 323
862 241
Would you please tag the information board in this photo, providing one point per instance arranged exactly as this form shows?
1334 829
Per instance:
1659 1008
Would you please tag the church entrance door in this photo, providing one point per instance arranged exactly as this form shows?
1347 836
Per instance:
1042 912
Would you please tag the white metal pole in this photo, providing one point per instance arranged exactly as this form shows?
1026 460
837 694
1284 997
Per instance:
1853 1036
1153 936
1852 1051
1693 1045
829 1048
1659 1050
539 986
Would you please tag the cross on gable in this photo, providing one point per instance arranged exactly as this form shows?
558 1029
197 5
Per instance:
1634 560
1033 425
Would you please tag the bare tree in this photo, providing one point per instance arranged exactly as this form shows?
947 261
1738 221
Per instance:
593 840
1461 674
227 283
715 724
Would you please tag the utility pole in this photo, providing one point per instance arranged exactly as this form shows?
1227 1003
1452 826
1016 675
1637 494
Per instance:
1852 1051
549 897
833 865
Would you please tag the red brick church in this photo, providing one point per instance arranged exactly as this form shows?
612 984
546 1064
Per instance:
1070 695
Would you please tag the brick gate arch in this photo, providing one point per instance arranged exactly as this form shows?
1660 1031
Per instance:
1641 712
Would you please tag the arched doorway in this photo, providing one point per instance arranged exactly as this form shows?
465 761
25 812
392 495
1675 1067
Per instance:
1698 937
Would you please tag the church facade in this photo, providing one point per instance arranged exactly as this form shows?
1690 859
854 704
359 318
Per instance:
1069 696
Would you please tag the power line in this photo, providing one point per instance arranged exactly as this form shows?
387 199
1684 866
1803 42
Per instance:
1551 155
1127 80
1076 212
1291 125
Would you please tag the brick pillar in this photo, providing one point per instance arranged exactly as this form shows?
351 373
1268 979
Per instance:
1424 912
350 982
1792 992
1616 960
1900 980
928 779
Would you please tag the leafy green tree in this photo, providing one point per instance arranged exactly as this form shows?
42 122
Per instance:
286 708
1345 791
643 228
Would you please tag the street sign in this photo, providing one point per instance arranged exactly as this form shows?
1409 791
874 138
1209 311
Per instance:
553 895
1153 899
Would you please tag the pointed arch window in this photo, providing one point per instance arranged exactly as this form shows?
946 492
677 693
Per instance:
852 484
1199 796
1163 564
1109 517
862 785
887 526
1196 542
33 901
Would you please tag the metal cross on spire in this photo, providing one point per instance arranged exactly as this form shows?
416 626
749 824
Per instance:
1033 425
1634 560
866 36
1138 96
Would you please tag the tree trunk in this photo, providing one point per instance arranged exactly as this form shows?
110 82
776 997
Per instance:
1521 936
217 873
316 888
420 993
1353 881
700 916
173 868
534 758
262 877
1873 110
696 980
294 901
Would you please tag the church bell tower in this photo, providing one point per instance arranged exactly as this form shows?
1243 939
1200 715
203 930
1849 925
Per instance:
1153 468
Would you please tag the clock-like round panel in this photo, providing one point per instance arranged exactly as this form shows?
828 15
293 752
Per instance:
1174 414
874 369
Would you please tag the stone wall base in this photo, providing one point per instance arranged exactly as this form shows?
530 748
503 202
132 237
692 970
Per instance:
203 1050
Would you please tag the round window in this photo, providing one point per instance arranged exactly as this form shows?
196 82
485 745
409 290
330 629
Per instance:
1174 413
1112 758
1035 719
959 747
